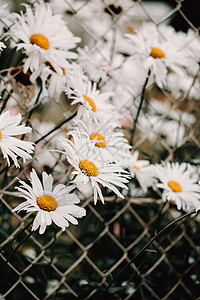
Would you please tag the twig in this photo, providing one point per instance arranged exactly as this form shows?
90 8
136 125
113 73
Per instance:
18 234
140 107
36 101
57 127
157 234
15 249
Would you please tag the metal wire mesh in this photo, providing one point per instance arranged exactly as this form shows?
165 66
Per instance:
83 261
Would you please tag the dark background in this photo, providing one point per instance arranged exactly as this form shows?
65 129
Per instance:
190 8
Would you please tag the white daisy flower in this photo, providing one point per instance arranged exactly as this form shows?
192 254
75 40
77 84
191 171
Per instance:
109 142
188 41
183 86
154 52
83 91
141 169
90 168
178 185
94 64
98 64
11 146
55 205
169 130
172 128
44 37
193 45
161 108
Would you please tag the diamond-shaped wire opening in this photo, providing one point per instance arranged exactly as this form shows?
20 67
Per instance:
158 277
61 293
84 278
191 280
105 257
187 151
181 262
21 290
92 226
126 228
140 293
182 293
22 253
8 277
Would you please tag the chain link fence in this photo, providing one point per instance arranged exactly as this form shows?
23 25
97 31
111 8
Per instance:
99 258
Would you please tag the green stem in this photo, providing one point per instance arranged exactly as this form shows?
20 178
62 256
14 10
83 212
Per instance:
15 249
57 127
113 45
140 106
157 234
36 101
18 234
6 167
4 102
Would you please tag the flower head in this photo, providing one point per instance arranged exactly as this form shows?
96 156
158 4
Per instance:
178 185
108 141
154 52
44 37
51 204
89 167
81 90
141 169
11 146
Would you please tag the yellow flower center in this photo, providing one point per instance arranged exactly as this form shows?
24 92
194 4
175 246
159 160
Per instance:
130 29
39 40
100 138
64 72
175 186
103 66
0 135
47 202
136 168
88 167
157 53
90 101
